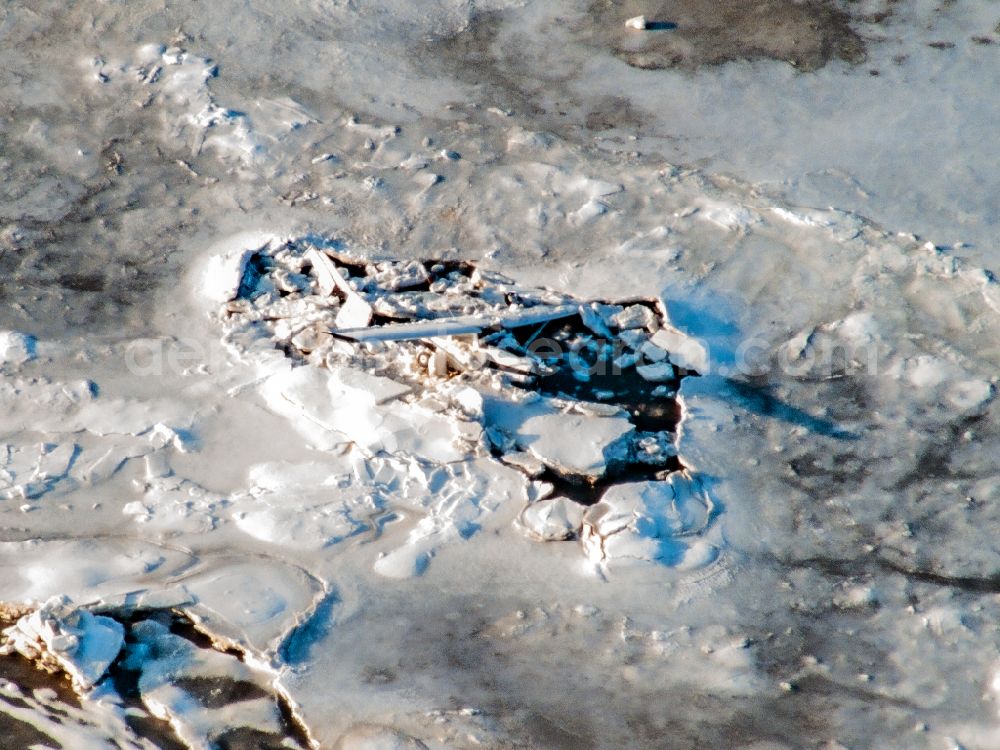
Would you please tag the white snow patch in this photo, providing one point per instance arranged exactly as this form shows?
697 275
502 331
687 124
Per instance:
16 348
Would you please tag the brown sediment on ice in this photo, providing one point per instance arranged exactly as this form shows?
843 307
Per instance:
689 34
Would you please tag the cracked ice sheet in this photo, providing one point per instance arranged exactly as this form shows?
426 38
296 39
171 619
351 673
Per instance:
711 422
29 472
252 602
788 280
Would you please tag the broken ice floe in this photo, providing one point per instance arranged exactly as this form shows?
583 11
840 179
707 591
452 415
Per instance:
121 660
423 373
209 698
60 637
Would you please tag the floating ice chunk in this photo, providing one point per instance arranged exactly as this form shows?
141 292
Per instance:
16 348
354 313
61 636
595 318
470 400
637 23
326 273
657 372
633 316
653 352
225 268
684 351
553 519
646 521
400 276
526 462
540 428
161 436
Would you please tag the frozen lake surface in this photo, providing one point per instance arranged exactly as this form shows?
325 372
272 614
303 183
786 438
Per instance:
658 409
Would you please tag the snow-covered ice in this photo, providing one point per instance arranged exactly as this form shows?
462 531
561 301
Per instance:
499 374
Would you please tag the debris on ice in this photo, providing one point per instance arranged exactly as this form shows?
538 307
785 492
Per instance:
425 372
